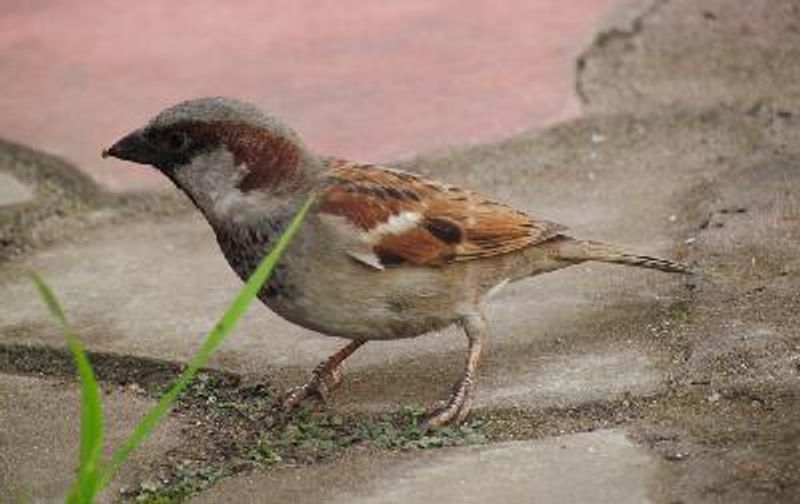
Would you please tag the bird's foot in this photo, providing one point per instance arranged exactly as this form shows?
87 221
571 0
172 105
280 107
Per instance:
451 412
325 378
320 387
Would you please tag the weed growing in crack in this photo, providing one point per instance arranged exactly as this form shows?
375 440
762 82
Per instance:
264 454
186 482
303 436
403 432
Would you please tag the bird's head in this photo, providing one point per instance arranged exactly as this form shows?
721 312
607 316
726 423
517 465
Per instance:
220 149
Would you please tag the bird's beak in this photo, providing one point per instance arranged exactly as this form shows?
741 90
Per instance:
132 147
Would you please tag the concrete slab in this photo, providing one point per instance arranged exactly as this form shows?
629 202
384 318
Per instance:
689 53
600 467
40 434
12 191
574 378
377 81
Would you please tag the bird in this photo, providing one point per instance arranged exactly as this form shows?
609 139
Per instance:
383 253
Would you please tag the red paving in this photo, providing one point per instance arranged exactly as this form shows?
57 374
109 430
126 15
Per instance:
366 80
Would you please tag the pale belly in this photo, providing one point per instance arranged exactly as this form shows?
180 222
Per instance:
327 291
336 296
358 303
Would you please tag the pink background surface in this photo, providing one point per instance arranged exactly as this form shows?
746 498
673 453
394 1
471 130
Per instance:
366 80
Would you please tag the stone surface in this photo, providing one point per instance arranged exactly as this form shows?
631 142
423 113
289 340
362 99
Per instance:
683 53
574 378
39 437
12 191
600 467
377 81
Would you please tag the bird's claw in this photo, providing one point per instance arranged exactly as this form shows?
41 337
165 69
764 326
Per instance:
320 387
450 412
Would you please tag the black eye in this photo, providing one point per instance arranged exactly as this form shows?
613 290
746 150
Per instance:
176 141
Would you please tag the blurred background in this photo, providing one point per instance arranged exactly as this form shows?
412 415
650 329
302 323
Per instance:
367 80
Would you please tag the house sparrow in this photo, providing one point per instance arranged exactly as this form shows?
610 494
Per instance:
383 253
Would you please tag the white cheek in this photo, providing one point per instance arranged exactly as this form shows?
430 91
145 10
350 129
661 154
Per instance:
213 178
212 172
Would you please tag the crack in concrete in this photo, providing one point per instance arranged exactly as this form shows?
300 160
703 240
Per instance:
151 375
604 37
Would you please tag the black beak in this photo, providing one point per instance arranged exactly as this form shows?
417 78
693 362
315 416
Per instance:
133 147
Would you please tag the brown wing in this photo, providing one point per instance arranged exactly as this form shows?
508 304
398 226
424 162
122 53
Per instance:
401 217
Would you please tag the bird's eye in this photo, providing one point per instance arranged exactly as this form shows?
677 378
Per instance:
176 140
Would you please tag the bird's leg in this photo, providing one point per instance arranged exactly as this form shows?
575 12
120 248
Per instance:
456 409
325 377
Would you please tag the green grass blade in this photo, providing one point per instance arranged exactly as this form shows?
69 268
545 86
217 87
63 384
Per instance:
24 497
49 299
91 443
91 422
213 339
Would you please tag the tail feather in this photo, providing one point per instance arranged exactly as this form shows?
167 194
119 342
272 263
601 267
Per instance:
578 250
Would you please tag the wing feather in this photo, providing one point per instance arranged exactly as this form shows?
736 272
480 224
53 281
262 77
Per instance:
406 218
